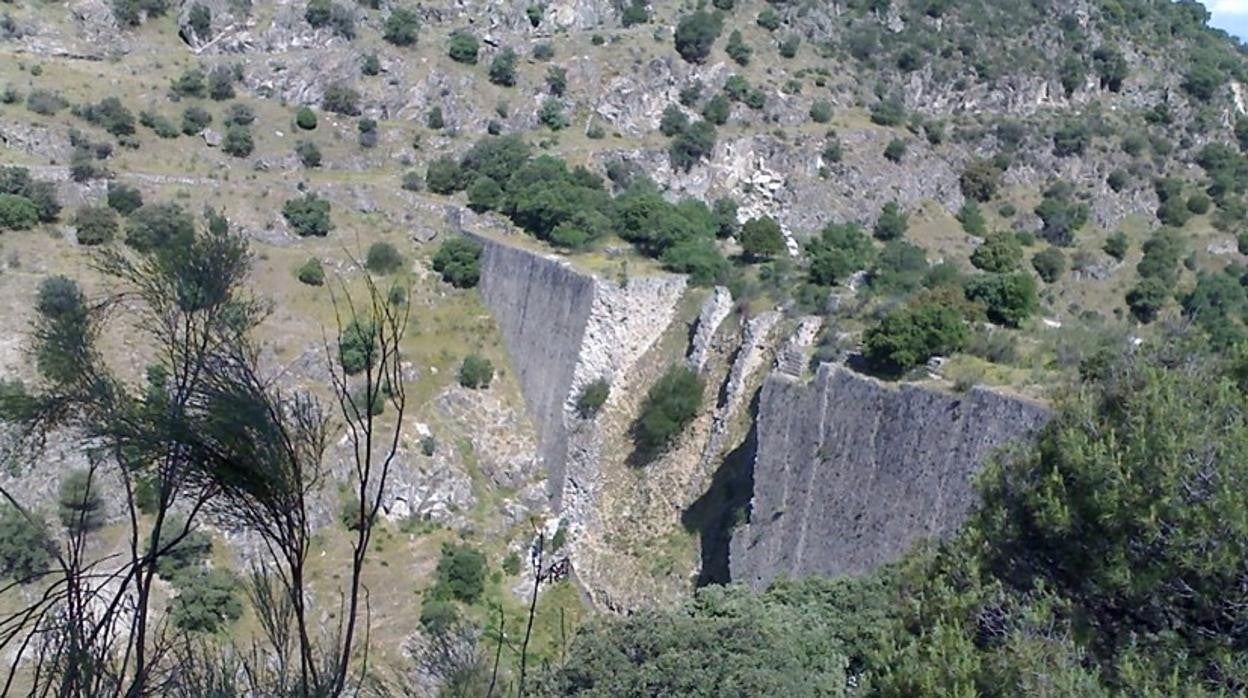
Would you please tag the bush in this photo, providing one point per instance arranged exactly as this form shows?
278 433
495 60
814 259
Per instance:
458 260
221 84
308 153
1062 217
155 226
383 258
788 47
464 47
25 546
980 180
443 176
239 114
357 346
317 13
673 121
888 112
17 212
821 111
669 407
189 551
401 27
999 253
110 115
191 83
838 251
238 141
305 118
1071 138
1116 245
367 129
476 372
737 49
695 34
972 219
717 110
341 99
460 574
932 325
891 224
207 601
768 19
311 272
308 215
96 225
635 13
195 120
45 102
79 502
543 51
503 68
371 65
895 150
412 181
1050 264
692 145
761 238
592 398
1009 298
200 21
485 195
1199 204
123 198
551 115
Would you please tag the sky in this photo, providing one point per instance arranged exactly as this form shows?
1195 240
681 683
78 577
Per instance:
1231 15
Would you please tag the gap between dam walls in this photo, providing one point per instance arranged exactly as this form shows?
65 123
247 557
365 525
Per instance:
837 475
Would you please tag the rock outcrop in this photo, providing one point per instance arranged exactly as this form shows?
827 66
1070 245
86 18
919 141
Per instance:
849 472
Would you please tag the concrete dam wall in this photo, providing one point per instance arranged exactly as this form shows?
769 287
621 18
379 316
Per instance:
850 472
564 329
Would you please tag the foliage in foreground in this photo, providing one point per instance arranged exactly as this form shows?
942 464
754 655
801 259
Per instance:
1110 557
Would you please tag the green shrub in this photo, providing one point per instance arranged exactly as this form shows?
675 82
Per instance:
238 141
1071 138
1116 245
401 27
305 118
695 34
460 573
838 251
443 176
888 112
367 129
1050 264
79 502
357 346
503 68
160 125
768 19
1061 215
96 225
25 546
110 115
383 258
17 212
980 180
476 371
308 153
669 407
311 272
1009 298
45 102
207 601
557 80
895 150
191 83
761 238
371 65
1199 204
485 195
789 46
999 253
592 398
180 550
551 115
692 145
543 51
891 224
932 325
123 198
717 110
308 215
464 47
673 121
1148 297
511 564
635 13
821 111
200 21
156 226
972 219
195 120
737 49
317 13
434 118
341 99
221 84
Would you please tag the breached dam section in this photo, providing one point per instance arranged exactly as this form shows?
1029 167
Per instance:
851 472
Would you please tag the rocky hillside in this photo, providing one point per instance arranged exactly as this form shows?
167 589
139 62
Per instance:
658 263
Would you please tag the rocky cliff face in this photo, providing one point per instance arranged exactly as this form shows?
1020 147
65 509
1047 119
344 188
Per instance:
849 472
